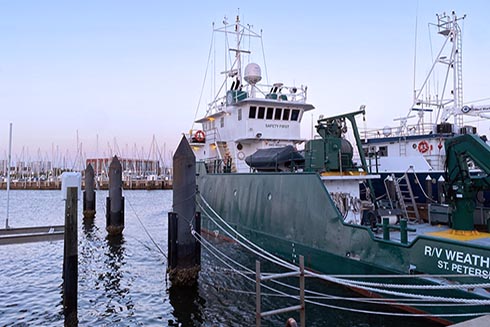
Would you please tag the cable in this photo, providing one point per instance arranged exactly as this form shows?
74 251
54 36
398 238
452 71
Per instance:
146 231
338 280
208 246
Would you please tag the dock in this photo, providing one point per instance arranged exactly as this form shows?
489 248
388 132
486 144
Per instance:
477 322
31 234
102 185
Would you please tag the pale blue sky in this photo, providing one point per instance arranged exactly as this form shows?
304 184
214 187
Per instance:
133 69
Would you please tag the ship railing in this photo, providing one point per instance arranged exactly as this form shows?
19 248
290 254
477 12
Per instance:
388 131
281 92
217 165
261 277
277 91
211 135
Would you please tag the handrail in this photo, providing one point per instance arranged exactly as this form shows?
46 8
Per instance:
411 130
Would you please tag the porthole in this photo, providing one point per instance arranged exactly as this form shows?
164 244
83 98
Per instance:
235 193
269 196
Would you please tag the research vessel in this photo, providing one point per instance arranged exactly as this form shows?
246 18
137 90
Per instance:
259 181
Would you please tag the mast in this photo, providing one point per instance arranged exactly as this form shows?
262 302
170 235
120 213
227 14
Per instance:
448 26
450 55
8 177
237 53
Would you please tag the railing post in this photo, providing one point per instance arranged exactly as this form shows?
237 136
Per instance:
403 231
302 313
257 294
386 229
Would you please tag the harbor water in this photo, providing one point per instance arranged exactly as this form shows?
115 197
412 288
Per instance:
122 281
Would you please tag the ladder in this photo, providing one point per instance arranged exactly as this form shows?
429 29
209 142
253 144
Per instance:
459 76
406 198
224 152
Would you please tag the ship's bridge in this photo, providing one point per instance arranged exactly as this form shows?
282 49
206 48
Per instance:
252 119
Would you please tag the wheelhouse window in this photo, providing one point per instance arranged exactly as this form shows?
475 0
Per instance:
261 113
295 114
278 114
285 115
270 113
383 151
253 112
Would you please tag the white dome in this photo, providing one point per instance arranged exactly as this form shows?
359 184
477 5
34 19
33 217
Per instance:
253 73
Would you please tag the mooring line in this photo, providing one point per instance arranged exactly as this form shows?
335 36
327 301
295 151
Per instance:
208 245
340 281
146 230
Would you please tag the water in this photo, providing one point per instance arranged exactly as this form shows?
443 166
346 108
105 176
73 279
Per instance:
122 282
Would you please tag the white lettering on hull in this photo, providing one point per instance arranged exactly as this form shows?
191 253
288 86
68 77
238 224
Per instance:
460 262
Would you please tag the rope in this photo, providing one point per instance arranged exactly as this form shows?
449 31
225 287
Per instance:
204 81
394 293
270 257
348 283
184 200
146 230
423 287
420 186
207 245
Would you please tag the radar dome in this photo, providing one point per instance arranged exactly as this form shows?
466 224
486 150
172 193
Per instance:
252 73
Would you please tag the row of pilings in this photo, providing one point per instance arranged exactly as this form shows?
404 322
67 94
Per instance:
114 202
184 250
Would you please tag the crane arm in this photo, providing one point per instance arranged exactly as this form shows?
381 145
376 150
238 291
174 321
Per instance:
461 186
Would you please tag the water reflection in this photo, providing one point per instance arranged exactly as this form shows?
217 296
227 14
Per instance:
188 305
88 228
115 290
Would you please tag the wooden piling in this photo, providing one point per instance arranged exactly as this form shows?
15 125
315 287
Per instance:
115 201
70 259
172 240
89 193
184 251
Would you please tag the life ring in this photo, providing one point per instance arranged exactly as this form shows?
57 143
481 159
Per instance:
241 155
423 147
200 136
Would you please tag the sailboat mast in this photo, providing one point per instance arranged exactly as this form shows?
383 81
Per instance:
8 176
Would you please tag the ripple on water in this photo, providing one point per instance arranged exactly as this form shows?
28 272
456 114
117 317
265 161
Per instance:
122 281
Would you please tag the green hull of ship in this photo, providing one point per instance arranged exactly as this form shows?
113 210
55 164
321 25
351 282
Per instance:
292 214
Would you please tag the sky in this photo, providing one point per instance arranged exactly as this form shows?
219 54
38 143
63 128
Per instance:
122 72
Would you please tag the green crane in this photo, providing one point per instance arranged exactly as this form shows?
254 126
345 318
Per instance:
461 187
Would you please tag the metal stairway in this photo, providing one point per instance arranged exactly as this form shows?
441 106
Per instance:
405 197
224 153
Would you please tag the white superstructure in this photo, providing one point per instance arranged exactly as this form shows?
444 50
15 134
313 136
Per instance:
246 116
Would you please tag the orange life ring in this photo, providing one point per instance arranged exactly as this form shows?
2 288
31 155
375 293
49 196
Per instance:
200 136
423 147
